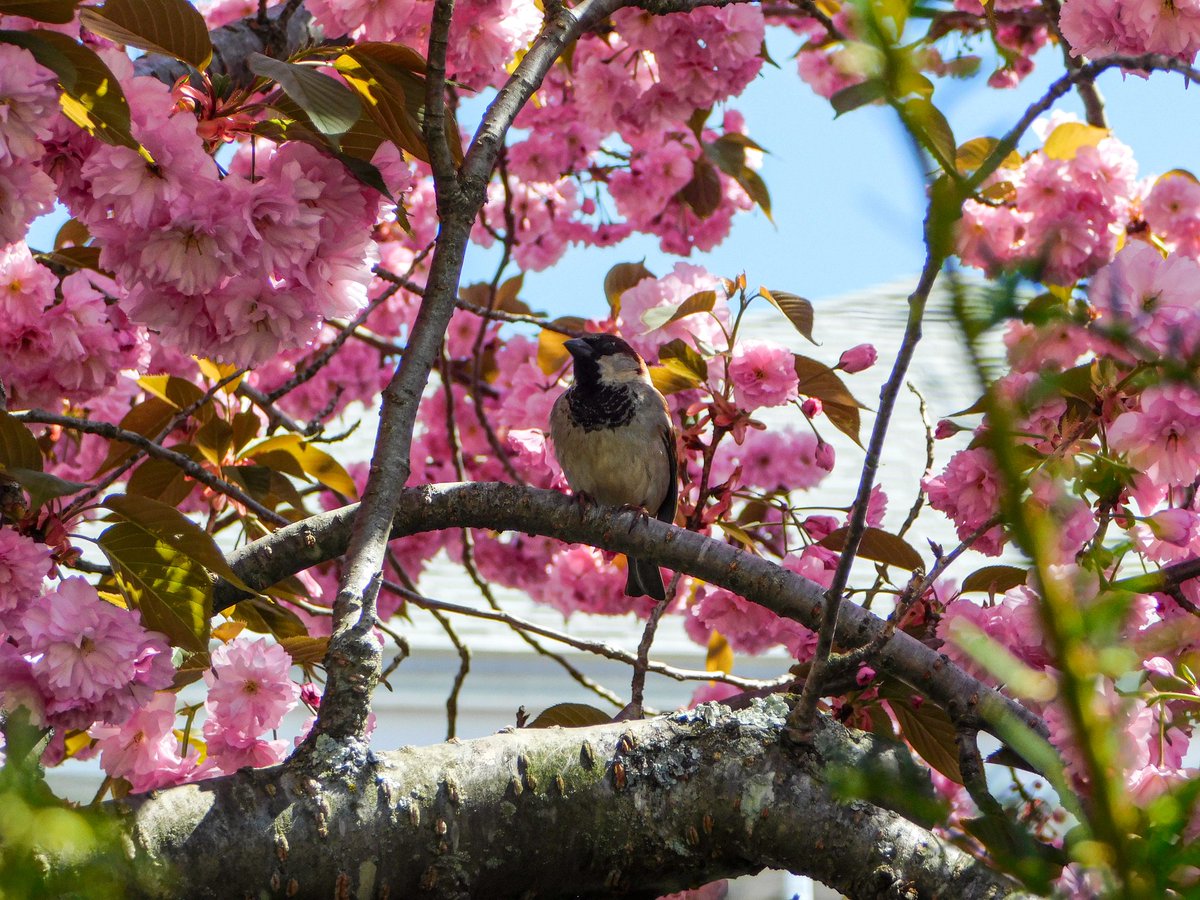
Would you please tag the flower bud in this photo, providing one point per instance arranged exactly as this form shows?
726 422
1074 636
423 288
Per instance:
857 358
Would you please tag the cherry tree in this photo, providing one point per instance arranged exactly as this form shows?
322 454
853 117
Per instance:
269 212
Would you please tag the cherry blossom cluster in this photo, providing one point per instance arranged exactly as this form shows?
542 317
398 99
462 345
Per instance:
1060 214
67 655
1110 453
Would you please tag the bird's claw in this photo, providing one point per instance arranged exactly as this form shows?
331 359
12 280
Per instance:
640 515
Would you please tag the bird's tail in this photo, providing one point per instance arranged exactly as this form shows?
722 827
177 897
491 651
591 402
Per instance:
644 580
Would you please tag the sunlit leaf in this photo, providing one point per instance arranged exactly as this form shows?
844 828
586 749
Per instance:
1065 141
91 98
171 527
305 650
331 106
879 545
798 310
570 715
621 278
169 27
551 354
309 461
719 657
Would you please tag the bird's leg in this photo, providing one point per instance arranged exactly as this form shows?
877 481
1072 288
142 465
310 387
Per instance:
640 515
584 499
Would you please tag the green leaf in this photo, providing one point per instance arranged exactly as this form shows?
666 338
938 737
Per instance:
148 419
621 278
933 130
92 98
312 462
57 12
42 486
331 106
168 27
994 579
703 192
172 591
18 447
681 357
570 715
171 527
161 480
930 732
701 301
879 545
264 616
798 310
818 380
857 95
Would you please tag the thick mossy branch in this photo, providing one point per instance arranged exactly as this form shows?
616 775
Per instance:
638 809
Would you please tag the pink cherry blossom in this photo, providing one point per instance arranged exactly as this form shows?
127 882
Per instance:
249 688
92 660
144 749
779 459
1162 437
1172 210
646 305
23 565
763 373
28 100
968 491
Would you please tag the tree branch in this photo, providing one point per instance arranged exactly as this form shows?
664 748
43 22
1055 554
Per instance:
502 507
668 806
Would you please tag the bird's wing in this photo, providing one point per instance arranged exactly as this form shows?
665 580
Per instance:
666 511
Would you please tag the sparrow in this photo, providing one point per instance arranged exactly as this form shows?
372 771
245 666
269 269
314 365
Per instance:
613 437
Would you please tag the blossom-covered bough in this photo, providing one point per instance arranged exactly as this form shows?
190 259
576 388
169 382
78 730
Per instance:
265 220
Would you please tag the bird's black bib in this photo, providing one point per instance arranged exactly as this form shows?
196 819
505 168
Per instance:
605 406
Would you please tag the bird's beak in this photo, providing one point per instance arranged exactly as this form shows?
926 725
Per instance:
579 348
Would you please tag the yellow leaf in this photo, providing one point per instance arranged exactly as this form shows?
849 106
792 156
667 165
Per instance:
671 380
227 631
552 356
76 741
720 654
1065 141
215 371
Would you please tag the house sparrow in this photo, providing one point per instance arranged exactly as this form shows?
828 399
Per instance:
614 439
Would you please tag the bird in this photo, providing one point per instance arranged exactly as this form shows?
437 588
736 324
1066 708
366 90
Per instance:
613 436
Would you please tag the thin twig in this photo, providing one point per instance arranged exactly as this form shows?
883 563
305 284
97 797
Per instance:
464 666
801 719
185 463
595 647
638 685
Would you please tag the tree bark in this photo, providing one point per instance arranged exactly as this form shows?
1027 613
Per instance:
635 809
